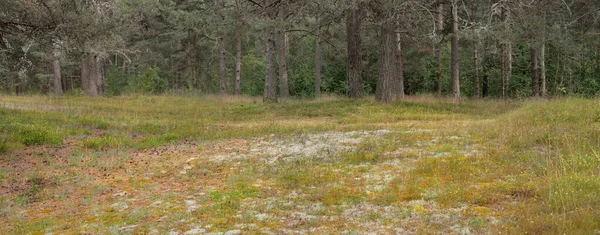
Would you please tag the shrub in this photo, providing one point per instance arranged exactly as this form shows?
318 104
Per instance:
150 82
116 82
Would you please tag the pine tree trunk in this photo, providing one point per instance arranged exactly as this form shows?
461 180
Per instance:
503 69
238 62
318 66
353 40
283 72
219 4
58 90
535 87
454 69
543 88
222 66
509 68
387 62
476 83
91 75
400 60
270 93
440 52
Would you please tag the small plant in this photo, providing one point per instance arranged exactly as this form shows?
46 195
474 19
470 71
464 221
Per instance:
36 183
3 145
34 134
106 142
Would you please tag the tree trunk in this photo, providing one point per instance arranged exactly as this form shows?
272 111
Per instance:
318 65
476 83
454 69
91 75
387 62
506 58
503 69
222 66
509 68
57 77
284 90
353 40
270 93
535 87
238 62
400 60
440 52
543 88
219 4
485 82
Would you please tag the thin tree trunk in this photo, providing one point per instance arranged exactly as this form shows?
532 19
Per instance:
222 66
353 40
476 83
238 62
506 58
85 82
535 86
219 4
238 50
283 72
400 60
454 69
318 65
270 93
440 52
503 69
543 88
509 68
57 77
387 62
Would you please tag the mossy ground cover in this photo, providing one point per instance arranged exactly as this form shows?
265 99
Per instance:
158 164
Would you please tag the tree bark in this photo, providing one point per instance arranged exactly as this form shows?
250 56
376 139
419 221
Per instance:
283 72
222 66
219 4
509 68
318 65
400 60
535 87
238 61
506 58
387 62
238 50
270 93
91 75
543 88
454 69
440 52
58 90
476 82
353 40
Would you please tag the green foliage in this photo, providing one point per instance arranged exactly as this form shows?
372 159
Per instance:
29 134
107 142
115 82
149 82
3 145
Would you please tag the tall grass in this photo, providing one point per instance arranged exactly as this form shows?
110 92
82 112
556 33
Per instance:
556 143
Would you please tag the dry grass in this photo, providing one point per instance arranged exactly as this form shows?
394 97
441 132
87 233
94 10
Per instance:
160 164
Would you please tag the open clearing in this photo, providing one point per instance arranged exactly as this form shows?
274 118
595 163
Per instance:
173 165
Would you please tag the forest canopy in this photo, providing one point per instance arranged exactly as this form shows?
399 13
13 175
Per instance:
290 48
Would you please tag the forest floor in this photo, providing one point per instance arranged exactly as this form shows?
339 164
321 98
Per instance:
176 165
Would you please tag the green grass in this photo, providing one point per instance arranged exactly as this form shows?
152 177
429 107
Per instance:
538 170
